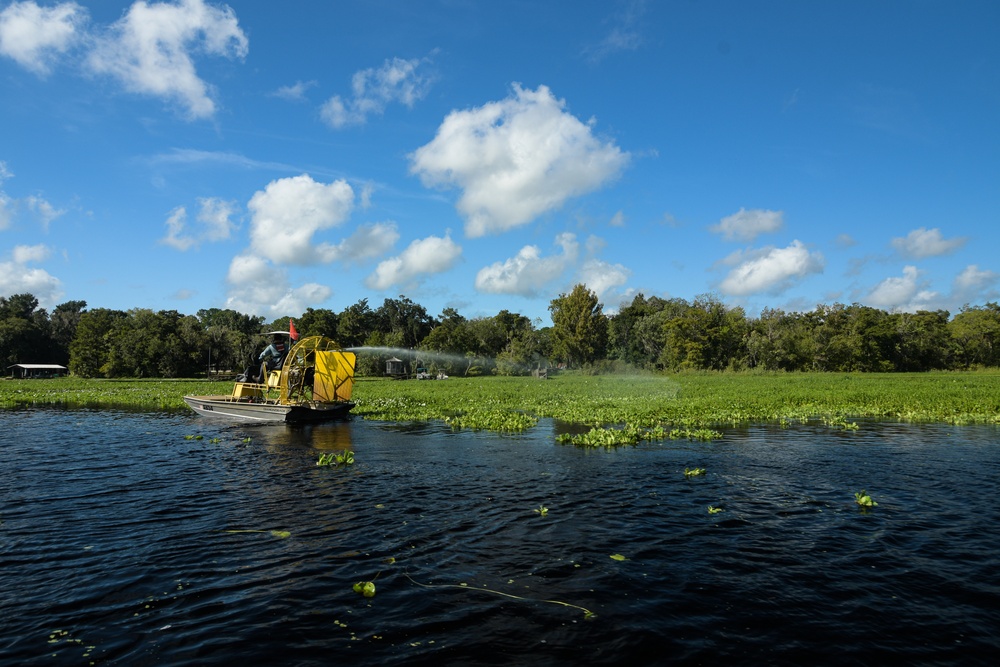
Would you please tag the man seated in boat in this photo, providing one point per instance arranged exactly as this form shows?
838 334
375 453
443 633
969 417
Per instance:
272 356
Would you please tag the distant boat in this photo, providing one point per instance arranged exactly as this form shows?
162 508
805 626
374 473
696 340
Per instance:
314 383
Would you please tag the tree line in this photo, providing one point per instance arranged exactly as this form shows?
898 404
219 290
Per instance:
651 334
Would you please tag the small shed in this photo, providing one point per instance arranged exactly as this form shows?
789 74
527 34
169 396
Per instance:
25 371
395 367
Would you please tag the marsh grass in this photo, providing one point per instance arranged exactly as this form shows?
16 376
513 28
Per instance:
685 403
88 393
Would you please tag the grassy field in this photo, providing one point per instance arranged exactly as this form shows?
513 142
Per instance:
686 401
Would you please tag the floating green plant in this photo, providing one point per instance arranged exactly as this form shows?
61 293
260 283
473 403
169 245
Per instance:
864 500
633 434
715 510
335 459
618 557
694 472
194 437
542 510
838 421
366 588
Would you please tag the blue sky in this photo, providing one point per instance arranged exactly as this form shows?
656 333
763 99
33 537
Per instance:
270 157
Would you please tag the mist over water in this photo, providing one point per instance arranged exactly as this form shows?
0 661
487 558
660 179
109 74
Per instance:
425 356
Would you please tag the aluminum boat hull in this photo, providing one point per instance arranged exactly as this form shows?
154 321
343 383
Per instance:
225 407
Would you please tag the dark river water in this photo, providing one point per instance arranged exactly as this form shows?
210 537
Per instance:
122 541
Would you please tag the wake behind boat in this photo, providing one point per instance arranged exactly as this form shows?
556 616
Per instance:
314 383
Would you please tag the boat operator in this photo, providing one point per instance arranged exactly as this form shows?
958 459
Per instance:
272 356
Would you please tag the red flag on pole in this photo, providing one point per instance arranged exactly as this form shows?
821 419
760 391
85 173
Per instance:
293 334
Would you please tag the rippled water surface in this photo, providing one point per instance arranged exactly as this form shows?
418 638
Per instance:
124 542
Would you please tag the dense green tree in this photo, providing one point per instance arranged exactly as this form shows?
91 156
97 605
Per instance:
156 344
520 350
853 338
706 335
780 341
319 322
354 324
579 327
976 335
89 351
922 341
24 332
403 321
18 306
232 338
637 334
64 320
452 341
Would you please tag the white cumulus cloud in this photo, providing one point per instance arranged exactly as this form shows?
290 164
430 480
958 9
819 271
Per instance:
422 257
175 237
258 287
31 253
372 89
974 284
747 225
45 211
17 277
769 269
150 50
368 241
290 211
603 277
925 242
515 160
972 277
294 93
528 272
904 293
6 211
214 224
36 36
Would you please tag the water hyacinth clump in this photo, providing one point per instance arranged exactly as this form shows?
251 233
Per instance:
630 434
336 459
864 500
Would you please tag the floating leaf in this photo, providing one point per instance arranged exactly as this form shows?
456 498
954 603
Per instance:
715 510
334 459
864 500
366 588
542 510
280 534
693 472
618 557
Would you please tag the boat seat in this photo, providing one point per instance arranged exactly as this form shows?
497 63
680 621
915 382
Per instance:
273 379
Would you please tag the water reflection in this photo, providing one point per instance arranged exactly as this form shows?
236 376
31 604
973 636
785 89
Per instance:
332 436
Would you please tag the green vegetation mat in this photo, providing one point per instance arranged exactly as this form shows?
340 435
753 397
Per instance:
89 393
685 404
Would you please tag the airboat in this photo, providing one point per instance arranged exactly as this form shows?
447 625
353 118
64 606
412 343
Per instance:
314 383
